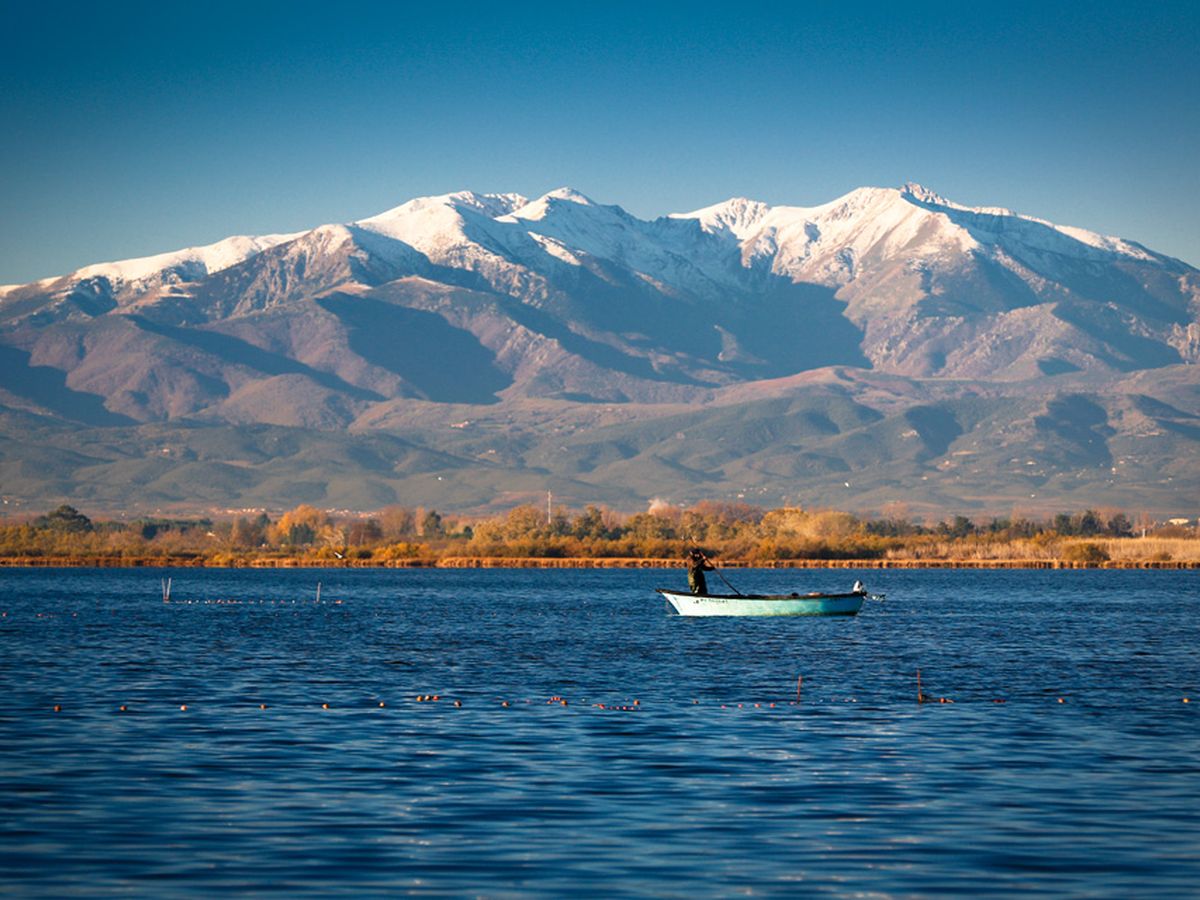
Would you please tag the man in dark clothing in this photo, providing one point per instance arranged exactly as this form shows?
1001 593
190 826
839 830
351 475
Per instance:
698 564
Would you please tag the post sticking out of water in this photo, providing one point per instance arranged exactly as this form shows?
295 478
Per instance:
920 696
166 590
799 684
318 592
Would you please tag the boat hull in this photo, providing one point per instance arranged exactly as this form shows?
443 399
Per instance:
764 605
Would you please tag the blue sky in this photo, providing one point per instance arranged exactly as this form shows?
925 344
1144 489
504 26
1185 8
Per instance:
135 128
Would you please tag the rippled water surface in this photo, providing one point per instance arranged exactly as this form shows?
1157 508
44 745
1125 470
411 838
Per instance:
682 764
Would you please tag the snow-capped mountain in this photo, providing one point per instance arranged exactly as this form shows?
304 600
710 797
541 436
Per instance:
912 283
499 299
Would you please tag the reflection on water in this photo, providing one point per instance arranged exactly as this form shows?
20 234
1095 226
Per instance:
701 787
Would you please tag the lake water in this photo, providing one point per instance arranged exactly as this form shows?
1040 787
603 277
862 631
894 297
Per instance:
687 782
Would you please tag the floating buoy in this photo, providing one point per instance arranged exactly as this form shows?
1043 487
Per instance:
122 709
324 706
262 706
57 708
1061 700
183 707
456 703
1186 700
504 703
382 704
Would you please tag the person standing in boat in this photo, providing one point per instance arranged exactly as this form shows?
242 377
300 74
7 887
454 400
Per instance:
698 564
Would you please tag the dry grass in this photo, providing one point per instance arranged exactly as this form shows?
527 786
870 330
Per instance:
1151 549
1134 549
978 551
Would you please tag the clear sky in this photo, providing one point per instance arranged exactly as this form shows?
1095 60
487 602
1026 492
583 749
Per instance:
132 128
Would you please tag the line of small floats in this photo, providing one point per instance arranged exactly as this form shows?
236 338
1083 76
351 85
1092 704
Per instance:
634 705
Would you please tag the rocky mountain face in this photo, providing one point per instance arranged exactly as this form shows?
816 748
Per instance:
471 349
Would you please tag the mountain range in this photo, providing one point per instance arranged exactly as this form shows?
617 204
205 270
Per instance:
887 350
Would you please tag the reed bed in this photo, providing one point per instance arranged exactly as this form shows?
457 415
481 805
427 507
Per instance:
1129 561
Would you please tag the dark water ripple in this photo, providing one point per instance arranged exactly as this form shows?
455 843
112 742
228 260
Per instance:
704 789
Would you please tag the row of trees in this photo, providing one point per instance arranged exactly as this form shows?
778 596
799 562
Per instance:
1088 523
732 530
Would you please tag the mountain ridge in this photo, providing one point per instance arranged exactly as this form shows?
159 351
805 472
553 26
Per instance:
468 305
231 250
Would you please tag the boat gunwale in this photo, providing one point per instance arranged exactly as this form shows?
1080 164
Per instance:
765 597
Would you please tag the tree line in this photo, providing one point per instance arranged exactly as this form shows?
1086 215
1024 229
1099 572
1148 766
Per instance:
729 530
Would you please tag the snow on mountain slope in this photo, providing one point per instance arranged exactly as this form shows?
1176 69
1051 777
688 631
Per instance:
738 216
830 243
432 223
191 263
577 229
734 290
466 231
826 244
1034 230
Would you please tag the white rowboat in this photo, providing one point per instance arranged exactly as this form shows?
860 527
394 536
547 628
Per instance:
814 604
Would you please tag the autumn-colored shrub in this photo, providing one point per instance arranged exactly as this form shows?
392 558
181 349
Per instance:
1085 553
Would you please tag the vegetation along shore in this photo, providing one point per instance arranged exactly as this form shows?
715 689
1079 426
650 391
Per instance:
526 536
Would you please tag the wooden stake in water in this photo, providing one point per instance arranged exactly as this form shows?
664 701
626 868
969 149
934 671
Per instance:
166 590
318 592
799 684
920 696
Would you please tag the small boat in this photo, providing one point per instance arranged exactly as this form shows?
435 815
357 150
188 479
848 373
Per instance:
814 604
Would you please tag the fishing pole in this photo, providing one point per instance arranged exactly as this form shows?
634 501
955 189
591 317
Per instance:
719 575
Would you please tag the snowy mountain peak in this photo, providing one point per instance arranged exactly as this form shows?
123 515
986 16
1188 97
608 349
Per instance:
570 195
923 194
537 209
738 216
1000 225
427 222
490 205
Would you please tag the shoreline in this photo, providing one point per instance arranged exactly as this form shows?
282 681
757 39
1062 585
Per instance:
497 562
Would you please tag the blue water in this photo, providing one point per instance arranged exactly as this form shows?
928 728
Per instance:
700 788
